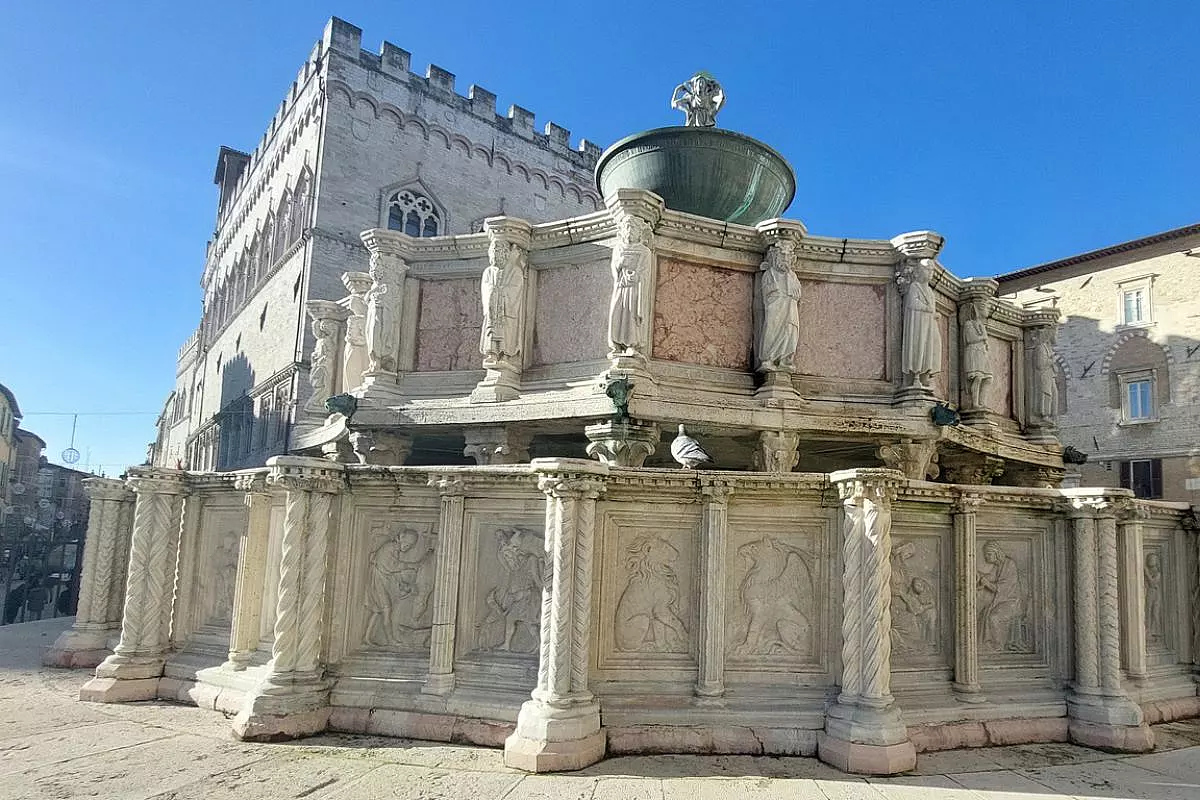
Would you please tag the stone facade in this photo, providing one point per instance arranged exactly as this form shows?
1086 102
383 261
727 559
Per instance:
1100 354
360 141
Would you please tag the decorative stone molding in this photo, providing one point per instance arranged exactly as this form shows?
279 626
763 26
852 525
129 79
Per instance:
1100 712
440 678
381 446
132 671
917 460
622 442
559 727
973 469
497 444
863 729
502 288
98 614
293 698
251 571
776 451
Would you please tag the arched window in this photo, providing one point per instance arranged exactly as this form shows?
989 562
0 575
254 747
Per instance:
264 257
281 228
414 214
298 218
1139 378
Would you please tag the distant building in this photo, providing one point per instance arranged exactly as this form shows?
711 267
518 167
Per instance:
359 142
10 417
1128 359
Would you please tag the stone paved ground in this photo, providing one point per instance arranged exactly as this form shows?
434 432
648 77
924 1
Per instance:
52 746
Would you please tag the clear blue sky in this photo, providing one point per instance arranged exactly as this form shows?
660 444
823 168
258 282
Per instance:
1022 131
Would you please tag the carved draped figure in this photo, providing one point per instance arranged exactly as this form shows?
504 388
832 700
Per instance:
777 310
321 368
630 270
384 299
502 287
976 364
1047 387
922 351
354 357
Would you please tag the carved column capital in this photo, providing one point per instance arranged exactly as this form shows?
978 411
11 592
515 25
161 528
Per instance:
299 474
114 489
448 485
571 487
511 230
622 442
973 469
636 203
716 491
252 483
497 444
380 446
152 480
874 485
777 451
966 502
917 460
918 244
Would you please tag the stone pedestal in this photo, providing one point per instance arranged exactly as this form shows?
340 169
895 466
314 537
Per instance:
559 727
251 571
104 563
133 670
293 698
777 390
1100 713
381 447
497 444
622 442
501 382
863 729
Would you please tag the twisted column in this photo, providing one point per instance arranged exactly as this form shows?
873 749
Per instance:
85 644
293 698
132 671
714 542
1100 712
440 679
559 727
966 600
863 729
251 571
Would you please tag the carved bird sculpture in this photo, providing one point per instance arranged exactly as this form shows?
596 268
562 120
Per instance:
687 451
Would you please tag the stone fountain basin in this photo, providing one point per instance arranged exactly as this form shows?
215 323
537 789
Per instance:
711 172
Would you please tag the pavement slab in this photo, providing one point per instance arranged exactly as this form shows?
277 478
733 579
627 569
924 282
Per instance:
53 746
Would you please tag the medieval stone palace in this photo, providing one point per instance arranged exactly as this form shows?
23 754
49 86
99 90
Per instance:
486 439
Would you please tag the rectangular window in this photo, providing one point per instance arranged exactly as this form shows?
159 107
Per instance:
1135 307
1138 396
1144 477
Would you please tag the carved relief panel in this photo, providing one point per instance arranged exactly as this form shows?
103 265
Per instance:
504 573
777 590
1010 593
398 586
1162 639
647 610
217 564
920 605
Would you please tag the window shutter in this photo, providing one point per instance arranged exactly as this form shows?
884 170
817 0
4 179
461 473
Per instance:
1156 487
1126 475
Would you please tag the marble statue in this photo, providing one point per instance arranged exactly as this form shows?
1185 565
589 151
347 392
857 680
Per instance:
921 356
321 370
777 310
700 97
1152 574
1044 382
1002 622
630 270
976 366
354 350
687 451
400 588
384 300
647 613
502 286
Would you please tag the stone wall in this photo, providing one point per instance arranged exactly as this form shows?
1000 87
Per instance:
711 612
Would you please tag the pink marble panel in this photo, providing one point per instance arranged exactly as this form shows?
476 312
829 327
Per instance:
941 381
703 314
999 395
571 321
448 325
842 330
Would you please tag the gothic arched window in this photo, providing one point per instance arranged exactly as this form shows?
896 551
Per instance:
413 213
298 218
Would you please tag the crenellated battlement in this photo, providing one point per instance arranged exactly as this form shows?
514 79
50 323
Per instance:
395 62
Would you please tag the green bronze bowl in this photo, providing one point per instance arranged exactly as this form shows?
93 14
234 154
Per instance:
711 172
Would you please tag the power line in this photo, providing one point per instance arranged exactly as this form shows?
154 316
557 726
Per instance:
91 413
